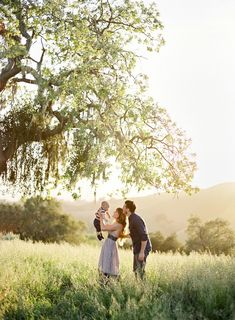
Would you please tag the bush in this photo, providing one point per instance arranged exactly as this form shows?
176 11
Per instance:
157 240
10 217
40 219
214 236
162 244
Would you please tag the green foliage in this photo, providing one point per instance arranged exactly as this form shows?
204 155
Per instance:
10 217
162 244
72 104
157 240
60 282
40 219
171 243
214 236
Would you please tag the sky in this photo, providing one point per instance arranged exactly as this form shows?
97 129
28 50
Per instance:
193 78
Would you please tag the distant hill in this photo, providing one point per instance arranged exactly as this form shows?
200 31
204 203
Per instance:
168 213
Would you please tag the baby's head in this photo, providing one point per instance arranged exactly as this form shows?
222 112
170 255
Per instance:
105 205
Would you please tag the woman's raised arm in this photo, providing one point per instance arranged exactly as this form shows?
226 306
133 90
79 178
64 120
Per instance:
108 227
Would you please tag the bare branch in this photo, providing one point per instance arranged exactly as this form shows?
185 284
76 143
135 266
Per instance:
30 81
33 60
24 31
13 67
7 73
39 64
29 70
162 155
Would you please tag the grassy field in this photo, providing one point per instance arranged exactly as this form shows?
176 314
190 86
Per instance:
40 281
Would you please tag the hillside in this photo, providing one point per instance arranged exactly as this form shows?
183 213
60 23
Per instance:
167 213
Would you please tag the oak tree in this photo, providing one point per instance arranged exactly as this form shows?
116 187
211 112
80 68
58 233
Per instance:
215 236
72 102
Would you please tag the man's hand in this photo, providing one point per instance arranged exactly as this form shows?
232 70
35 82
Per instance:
141 256
142 250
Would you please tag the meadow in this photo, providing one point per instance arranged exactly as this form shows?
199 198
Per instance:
51 281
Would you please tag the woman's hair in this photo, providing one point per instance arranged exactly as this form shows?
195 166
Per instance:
122 220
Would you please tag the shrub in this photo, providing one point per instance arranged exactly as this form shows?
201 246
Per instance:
40 219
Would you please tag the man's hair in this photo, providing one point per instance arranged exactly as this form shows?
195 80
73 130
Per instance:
130 205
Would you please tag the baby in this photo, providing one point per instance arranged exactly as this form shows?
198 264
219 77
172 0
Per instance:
105 215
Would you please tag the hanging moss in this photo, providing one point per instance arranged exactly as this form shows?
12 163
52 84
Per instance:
33 163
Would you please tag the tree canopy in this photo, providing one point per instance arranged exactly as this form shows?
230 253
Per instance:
40 219
215 236
72 103
165 244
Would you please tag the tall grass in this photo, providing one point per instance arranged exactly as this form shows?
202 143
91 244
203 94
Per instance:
39 281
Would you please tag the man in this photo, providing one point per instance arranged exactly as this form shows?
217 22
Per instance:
140 239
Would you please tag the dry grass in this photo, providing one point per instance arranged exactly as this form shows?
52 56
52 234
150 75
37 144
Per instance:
39 281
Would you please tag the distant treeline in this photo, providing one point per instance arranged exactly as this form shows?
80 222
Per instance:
40 219
214 236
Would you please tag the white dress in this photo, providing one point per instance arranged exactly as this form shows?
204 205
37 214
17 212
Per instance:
109 258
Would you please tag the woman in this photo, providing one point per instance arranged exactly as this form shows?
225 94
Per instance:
109 259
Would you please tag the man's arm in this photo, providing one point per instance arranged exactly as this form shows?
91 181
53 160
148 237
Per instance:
142 250
144 238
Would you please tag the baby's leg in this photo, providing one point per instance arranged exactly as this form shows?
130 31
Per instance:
97 225
98 229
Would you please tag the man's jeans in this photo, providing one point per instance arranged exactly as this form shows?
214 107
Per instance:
139 266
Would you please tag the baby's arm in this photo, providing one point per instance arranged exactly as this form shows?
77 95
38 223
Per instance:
106 216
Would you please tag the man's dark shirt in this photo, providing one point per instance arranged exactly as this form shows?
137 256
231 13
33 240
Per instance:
138 233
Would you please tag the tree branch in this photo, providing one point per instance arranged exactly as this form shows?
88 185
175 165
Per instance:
13 66
7 73
30 81
39 64
23 30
